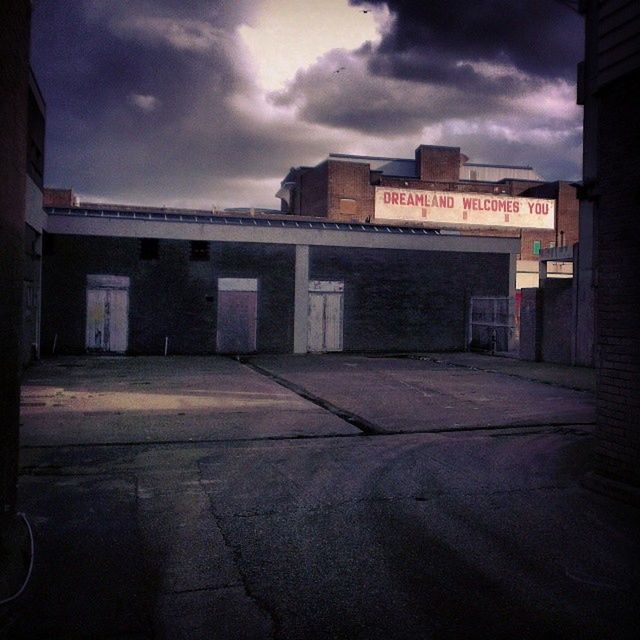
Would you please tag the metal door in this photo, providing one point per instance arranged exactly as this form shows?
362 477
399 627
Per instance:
491 324
237 315
107 326
324 328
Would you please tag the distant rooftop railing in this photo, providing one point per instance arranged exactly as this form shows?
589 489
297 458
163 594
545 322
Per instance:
244 221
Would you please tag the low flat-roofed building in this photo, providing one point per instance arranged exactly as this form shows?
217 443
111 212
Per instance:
146 280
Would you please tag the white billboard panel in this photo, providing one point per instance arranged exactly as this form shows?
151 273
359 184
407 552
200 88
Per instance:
473 209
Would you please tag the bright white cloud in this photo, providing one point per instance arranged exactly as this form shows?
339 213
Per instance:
554 99
289 35
183 34
146 103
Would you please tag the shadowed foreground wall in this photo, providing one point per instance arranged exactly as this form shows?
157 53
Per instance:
14 93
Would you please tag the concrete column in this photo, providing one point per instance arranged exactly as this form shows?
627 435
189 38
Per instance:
543 272
513 272
301 300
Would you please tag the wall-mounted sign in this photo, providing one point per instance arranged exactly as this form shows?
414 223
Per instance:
474 209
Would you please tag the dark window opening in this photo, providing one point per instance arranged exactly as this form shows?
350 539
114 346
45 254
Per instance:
199 251
149 248
48 244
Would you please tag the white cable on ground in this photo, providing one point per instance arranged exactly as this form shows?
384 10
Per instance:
32 548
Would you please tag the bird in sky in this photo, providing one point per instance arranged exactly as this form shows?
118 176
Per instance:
340 69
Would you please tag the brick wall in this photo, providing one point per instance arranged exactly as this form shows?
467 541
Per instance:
394 300
312 192
344 181
58 197
439 164
618 282
405 300
170 296
567 215
351 195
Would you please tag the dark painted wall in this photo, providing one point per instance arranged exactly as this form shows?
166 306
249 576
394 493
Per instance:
558 318
274 266
408 300
171 296
394 300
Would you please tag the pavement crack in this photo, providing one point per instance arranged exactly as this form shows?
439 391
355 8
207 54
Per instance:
561 428
221 587
238 560
367 427
511 374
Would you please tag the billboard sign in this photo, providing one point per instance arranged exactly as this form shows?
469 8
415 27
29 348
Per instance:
457 208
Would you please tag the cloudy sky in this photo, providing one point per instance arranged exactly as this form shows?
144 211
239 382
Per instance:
197 103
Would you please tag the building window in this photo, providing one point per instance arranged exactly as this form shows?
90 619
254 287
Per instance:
48 244
537 244
199 251
348 206
149 248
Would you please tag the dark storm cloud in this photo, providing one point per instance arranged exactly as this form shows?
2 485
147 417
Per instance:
153 101
466 59
428 37
494 76
138 97
355 99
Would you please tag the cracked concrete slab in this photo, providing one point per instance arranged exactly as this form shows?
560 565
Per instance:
470 532
130 400
400 395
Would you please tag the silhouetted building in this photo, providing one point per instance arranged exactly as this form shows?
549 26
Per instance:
609 88
14 116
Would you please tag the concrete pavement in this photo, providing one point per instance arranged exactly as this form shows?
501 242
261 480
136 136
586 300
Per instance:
316 499
430 393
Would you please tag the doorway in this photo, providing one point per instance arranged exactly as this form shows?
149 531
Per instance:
237 318
326 309
107 326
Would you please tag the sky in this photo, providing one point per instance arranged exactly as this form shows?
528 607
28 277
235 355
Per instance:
208 104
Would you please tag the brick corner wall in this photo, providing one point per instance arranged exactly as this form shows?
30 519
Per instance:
438 164
617 454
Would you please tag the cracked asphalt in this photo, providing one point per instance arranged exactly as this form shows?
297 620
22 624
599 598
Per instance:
334 496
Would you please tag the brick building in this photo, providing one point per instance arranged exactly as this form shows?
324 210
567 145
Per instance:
352 189
609 88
